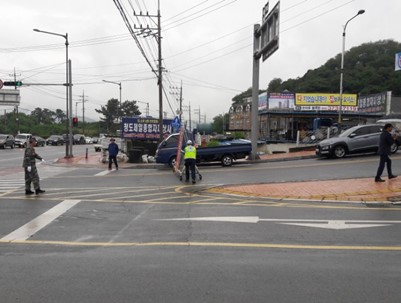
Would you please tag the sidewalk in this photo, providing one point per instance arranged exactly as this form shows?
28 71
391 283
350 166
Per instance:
363 190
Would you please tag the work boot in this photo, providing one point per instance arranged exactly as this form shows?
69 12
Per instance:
28 192
193 181
39 191
392 176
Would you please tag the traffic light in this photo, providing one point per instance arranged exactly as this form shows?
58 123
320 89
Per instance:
75 121
12 83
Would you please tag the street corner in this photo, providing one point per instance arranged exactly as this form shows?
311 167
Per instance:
192 189
362 191
90 159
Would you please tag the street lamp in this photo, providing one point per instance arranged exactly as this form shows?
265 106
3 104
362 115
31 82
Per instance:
119 84
68 147
360 12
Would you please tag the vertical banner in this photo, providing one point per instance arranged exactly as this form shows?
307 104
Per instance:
397 61
179 146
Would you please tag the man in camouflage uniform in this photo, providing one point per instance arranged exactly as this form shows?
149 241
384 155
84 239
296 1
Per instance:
29 165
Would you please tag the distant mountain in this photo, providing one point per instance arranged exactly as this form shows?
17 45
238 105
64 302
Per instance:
368 69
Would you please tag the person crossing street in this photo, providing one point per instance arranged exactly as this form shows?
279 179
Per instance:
31 172
113 152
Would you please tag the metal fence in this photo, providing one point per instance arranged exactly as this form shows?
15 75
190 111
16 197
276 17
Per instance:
315 136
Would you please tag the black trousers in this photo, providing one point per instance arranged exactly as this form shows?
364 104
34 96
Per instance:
190 164
111 160
384 159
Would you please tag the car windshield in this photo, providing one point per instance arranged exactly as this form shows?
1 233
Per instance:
53 137
23 137
3 136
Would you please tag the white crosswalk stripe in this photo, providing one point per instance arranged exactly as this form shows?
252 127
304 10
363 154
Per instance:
17 180
11 184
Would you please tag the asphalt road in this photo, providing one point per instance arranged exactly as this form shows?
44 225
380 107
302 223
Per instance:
143 236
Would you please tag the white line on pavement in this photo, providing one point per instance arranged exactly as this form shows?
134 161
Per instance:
32 227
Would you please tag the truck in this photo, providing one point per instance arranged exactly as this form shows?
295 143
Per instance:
226 151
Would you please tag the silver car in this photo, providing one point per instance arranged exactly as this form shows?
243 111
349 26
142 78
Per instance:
357 139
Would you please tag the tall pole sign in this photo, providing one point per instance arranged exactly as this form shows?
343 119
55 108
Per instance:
265 43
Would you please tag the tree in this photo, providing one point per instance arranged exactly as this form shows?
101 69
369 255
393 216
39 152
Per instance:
274 85
129 109
220 123
59 116
111 112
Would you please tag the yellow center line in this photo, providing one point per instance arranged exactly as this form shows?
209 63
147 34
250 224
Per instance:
209 244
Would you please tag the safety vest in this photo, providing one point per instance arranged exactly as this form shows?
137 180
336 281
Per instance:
190 152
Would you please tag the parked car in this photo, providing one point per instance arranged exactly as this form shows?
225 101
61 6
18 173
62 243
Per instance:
6 140
39 141
79 139
21 140
88 140
55 140
95 140
225 151
357 139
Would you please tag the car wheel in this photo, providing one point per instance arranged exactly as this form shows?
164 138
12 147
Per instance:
227 160
172 162
339 151
394 148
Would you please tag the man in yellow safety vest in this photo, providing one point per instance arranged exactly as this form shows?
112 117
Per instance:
190 161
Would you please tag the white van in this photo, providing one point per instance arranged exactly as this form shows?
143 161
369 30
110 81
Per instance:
22 140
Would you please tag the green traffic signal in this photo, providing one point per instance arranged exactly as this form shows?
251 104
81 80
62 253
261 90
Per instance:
12 83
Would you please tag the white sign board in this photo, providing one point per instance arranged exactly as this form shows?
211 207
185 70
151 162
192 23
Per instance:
397 61
10 97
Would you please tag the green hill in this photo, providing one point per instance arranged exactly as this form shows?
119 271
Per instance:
368 69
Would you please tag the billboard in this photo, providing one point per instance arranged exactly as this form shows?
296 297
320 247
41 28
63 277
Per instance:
375 103
317 99
144 128
262 101
281 101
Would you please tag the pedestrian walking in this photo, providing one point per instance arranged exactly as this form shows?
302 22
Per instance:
113 152
190 161
31 172
386 141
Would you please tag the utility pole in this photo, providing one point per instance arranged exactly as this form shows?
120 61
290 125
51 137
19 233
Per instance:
179 111
16 107
83 111
147 31
198 112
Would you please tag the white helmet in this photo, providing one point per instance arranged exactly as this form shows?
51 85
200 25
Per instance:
189 142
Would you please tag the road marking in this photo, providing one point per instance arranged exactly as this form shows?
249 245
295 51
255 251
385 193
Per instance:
104 173
207 244
32 227
327 224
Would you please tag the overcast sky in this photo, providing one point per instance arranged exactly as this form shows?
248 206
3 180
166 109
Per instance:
206 44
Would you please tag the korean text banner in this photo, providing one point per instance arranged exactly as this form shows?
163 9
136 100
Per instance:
144 128
316 99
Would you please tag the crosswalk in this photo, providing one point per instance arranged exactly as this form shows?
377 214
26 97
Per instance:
11 184
16 180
